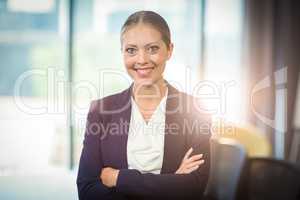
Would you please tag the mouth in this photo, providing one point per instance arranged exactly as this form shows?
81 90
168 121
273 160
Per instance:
144 72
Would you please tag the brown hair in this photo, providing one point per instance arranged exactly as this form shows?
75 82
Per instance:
152 18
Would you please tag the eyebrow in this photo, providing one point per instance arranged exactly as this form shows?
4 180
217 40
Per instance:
149 44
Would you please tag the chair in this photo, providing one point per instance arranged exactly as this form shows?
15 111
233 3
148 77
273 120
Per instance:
264 178
255 142
227 158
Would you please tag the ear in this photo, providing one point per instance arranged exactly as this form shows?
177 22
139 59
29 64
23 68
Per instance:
170 50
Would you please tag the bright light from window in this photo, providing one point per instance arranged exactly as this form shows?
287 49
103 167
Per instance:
223 31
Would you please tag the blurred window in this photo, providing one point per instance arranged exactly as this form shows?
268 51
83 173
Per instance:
32 70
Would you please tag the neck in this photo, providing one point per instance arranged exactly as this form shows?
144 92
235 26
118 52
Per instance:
153 92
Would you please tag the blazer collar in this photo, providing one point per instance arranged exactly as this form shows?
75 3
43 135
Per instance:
171 136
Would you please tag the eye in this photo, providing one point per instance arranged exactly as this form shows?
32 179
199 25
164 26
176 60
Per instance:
153 49
131 51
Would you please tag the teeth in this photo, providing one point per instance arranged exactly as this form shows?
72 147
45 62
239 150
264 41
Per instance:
144 71
143 68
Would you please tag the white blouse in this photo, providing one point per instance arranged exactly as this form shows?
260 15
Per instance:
145 145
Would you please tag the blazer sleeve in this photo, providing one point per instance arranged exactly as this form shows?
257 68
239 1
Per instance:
89 184
166 186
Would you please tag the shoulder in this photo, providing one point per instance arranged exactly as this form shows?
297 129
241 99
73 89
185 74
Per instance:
189 105
109 104
195 117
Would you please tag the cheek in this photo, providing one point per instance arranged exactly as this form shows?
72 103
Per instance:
159 59
128 61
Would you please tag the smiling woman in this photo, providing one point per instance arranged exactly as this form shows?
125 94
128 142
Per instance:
146 47
162 151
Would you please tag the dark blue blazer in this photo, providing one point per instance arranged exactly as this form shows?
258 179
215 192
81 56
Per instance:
105 146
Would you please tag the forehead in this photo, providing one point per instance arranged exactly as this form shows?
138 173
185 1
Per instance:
141 34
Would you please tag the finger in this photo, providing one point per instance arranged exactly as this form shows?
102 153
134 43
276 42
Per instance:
193 164
194 158
179 171
188 171
188 153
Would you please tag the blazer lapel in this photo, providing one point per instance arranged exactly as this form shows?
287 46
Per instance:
115 145
174 139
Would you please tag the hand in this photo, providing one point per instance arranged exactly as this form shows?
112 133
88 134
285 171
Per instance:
109 176
191 164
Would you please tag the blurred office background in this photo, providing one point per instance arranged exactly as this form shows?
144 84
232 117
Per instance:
58 55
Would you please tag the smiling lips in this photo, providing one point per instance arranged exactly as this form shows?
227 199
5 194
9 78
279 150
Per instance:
144 72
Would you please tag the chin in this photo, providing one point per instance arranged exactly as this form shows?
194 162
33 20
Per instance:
144 82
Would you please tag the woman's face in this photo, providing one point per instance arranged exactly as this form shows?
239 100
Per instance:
145 54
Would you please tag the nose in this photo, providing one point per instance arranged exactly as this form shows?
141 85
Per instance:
143 58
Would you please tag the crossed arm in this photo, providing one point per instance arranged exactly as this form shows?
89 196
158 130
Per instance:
109 176
95 181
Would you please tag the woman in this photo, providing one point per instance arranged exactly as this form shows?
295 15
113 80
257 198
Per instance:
139 143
